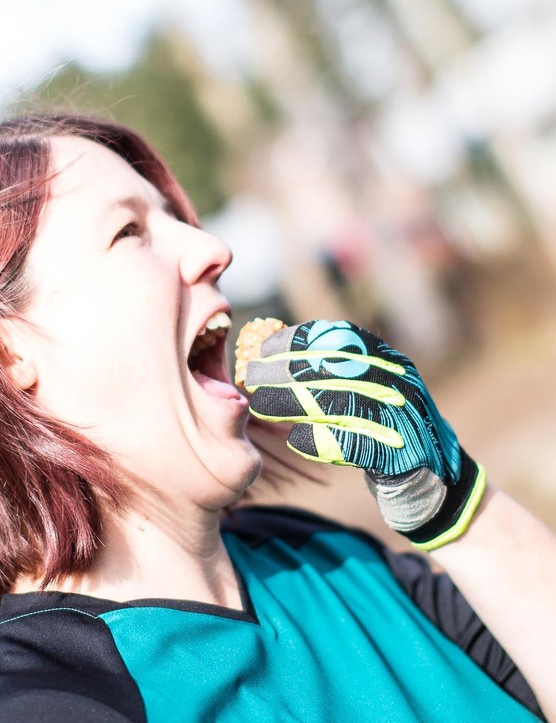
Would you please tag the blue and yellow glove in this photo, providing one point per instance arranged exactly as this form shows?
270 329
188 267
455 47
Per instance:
356 401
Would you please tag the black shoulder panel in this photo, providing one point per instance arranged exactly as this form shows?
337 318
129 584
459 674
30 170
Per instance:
61 664
443 603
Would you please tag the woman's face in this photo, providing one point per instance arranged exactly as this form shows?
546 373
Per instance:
122 289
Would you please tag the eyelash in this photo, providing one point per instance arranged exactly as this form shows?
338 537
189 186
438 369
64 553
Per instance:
129 230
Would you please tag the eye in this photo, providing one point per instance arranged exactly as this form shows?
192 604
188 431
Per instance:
128 231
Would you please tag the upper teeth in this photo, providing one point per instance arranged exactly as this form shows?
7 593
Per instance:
215 328
220 320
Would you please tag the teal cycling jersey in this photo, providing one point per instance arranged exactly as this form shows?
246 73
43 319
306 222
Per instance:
333 627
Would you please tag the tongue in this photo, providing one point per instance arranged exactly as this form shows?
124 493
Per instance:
216 387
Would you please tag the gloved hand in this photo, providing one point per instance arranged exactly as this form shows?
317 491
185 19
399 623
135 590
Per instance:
356 401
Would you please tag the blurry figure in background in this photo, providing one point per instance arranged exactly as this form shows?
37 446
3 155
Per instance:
367 246
347 259
416 266
322 225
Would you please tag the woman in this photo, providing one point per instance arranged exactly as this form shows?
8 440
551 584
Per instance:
123 440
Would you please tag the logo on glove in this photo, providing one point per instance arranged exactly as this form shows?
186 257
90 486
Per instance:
327 337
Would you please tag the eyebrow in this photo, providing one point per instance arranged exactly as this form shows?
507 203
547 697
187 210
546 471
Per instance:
138 203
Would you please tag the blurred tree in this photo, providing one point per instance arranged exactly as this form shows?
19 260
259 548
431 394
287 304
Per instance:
319 47
159 97
268 111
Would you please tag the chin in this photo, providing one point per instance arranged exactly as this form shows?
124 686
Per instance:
234 475
249 468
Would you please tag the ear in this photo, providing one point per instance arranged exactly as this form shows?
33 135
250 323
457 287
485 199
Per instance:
21 366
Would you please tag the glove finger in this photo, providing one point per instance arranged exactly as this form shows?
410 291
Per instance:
269 372
362 376
327 349
337 445
320 335
277 404
334 396
366 448
345 338
294 402
279 342
315 442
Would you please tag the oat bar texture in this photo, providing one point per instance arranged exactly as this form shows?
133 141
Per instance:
249 342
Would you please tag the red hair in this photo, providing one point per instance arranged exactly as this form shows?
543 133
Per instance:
52 479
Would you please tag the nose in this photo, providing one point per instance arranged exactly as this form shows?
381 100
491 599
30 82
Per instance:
204 257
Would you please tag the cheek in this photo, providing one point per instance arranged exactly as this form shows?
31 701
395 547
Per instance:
101 338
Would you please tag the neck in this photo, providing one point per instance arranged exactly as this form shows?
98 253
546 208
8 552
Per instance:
156 555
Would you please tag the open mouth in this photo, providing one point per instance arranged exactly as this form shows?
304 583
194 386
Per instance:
207 356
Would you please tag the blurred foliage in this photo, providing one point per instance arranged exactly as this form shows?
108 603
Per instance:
268 110
157 97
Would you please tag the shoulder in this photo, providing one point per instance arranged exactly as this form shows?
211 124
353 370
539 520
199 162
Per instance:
58 660
435 595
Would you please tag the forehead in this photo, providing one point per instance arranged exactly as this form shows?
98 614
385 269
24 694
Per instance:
90 186
83 168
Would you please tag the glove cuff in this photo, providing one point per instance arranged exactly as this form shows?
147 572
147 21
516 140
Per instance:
429 512
457 511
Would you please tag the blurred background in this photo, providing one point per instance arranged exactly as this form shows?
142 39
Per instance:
388 161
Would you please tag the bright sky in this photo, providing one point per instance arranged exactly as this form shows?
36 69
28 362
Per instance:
507 79
38 36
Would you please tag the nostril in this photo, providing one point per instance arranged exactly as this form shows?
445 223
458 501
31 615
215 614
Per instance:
203 266
216 271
